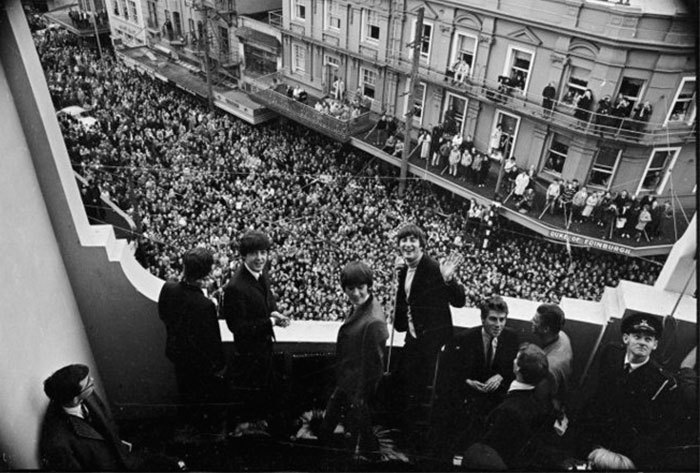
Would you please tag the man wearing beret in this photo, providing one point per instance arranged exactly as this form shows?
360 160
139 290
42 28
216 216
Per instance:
629 412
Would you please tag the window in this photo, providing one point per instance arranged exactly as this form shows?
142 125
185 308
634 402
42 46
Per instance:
577 85
177 26
417 103
131 6
368 82
518 66
332 61
152 14
683 106
604 167
658 170
425 40
298 58
124 9
299 10
510 124
332 14
556 156
370 26
458 106
631 89
464 48
223 40
115 4
190 27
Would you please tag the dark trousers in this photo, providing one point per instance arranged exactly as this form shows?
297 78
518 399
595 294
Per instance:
201 397
358 420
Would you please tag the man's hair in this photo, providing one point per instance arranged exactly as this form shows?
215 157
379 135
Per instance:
532 363
495 303
356 273
551 316
62 386
602 459
198 262
411 229
254 241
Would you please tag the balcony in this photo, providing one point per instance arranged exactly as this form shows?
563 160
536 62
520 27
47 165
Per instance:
274 18
605 127
270 91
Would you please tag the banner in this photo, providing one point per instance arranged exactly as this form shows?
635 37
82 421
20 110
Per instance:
580 240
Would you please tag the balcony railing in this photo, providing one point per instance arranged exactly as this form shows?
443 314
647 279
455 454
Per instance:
268 90
616 128
274 18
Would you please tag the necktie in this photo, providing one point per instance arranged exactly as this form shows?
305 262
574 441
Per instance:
489 353
628 368
407 287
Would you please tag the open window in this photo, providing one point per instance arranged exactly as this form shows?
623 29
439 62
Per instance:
604 167
510 124
658 170
683 106
371 29
576 85
368 82
518 67
556 154
458 106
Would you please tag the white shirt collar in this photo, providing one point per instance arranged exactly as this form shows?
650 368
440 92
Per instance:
76 411
256 275
520 386
634 366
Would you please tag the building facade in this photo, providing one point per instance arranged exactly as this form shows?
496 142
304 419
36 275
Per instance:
642 52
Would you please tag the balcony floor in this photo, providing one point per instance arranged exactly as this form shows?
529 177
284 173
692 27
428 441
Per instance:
589 230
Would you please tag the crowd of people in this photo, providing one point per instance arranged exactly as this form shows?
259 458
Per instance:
185 173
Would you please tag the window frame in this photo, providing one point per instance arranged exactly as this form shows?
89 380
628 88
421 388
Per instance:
363 83
446 107
497 119
328 14
666 169
133 11
508 66
424 56
691 101
296 67
633 100
569 86
296 5
424 85
366 38
552 140
612 172
455 44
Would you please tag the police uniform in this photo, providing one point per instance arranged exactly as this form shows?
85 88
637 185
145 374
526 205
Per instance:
631 409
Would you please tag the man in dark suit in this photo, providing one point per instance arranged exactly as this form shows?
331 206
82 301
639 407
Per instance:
630 412
476 369
78 433
193 340
250 310
514 425
425 292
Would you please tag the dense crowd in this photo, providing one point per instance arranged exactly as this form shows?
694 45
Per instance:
201 177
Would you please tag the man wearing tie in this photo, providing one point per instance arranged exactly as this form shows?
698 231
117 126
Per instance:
250 310
425 292
476 369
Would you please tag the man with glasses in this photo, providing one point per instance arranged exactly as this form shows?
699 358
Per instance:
78 433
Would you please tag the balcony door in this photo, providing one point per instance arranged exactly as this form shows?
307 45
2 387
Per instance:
510 124
458 106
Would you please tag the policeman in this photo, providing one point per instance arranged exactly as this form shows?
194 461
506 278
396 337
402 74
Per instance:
630 410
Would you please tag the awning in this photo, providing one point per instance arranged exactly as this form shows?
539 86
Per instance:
258 39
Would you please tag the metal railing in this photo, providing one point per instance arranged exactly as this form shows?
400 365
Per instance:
265 90
274 18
